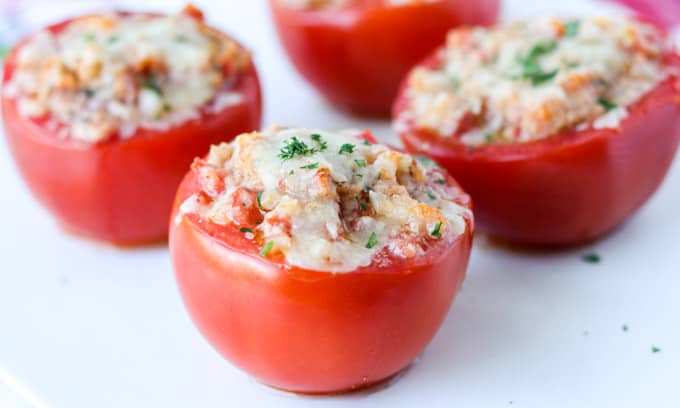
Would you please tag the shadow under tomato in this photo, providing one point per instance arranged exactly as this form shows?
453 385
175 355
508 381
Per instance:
358 393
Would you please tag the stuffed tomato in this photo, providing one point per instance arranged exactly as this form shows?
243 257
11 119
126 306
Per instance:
103 113
559 129
318 261
356 52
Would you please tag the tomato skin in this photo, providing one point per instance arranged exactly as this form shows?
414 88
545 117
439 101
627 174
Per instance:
309 331
119 191
569 189
357 56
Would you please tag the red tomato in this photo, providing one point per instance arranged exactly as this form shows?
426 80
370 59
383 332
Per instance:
310 331
357 55
568 189
119 191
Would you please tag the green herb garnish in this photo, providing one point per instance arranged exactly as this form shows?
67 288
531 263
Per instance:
537 75
426 161
359 175
151 83
89 92
3 52
540 49
591 258
455 83
311 166
89 37
531 68
440 181
346 148
322 144
607 104
294 147
244 230
182 39
113 39
571 28
488 137
259 200
360 163
624 327
436 232
362 204
372 241
266 249
431 195
655 349
367 143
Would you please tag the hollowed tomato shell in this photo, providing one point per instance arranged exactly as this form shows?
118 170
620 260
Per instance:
310 331
120 191
357 56
571 188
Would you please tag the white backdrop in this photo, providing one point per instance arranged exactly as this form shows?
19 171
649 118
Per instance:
85 325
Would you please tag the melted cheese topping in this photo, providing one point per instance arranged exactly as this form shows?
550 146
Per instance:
336 4
327 201
528 80
112 73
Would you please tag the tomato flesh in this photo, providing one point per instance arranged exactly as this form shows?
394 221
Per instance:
357 56
119 191
571 188
310 331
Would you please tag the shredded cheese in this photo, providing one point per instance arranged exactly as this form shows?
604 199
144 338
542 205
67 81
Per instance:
327 200
528 80
110 74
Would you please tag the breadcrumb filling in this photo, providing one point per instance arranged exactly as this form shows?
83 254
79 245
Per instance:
328 201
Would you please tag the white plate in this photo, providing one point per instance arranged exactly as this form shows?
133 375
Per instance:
84 325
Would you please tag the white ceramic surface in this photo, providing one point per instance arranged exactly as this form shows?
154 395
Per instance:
84 325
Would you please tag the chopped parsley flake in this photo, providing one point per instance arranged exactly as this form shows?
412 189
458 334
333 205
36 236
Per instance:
267 248
293 148
538 76
591 258
366 142
362 204
360 163
624 327
151 83
346 148
455 83
244 230
372 241
322 144
360 175
531 68
89 92
89 37
607 104
426 161
540 49
182 39
113 39
436 232
655 349
571 28
441 181
431 195
311 166
488 137
259 200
